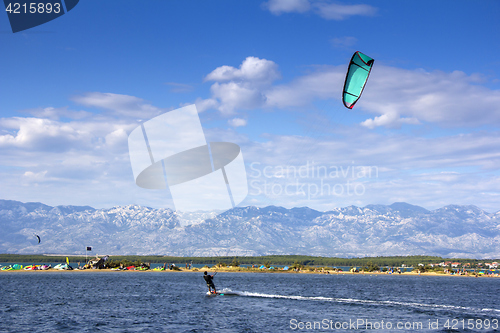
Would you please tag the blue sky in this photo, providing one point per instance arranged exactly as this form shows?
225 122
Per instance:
266 75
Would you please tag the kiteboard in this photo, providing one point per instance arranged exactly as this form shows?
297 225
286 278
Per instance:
222 293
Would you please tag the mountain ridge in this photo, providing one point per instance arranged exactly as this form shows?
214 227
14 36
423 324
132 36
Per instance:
396 229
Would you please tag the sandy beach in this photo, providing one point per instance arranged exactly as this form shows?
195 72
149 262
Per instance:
246 270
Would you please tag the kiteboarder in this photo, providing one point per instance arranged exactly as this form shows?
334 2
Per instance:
210 283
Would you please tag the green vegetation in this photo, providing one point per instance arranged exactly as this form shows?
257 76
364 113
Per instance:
428 268
114 263
294 261
370 267
297 265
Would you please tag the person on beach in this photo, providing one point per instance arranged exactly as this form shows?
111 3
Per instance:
210 283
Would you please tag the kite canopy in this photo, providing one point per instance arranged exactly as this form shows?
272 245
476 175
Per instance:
355 80
38 237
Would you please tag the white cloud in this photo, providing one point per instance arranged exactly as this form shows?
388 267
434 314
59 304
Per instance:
233 96
252 69
225 134
337 11
57 113
46 135
410 96
278 7
41 134
243 87
389 119
430 172
66 162
344 42
32 177
122 105
427 171
237 122
117 140
325 83
205 104
326 10
179 87
80 161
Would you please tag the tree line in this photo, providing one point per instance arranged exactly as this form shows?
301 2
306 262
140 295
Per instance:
392 261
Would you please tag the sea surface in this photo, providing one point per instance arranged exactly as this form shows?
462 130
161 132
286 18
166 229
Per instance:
91 301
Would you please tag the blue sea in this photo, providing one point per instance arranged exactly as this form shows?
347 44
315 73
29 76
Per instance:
91 301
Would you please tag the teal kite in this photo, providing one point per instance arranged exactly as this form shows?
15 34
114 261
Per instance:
355 80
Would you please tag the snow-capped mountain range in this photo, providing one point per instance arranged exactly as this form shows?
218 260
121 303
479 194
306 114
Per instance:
374 230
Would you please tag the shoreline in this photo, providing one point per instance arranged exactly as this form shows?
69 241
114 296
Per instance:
242 270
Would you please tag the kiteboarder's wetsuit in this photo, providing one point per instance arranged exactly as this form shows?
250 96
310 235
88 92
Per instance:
210 282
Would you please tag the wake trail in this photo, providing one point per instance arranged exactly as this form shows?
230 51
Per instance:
371 302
